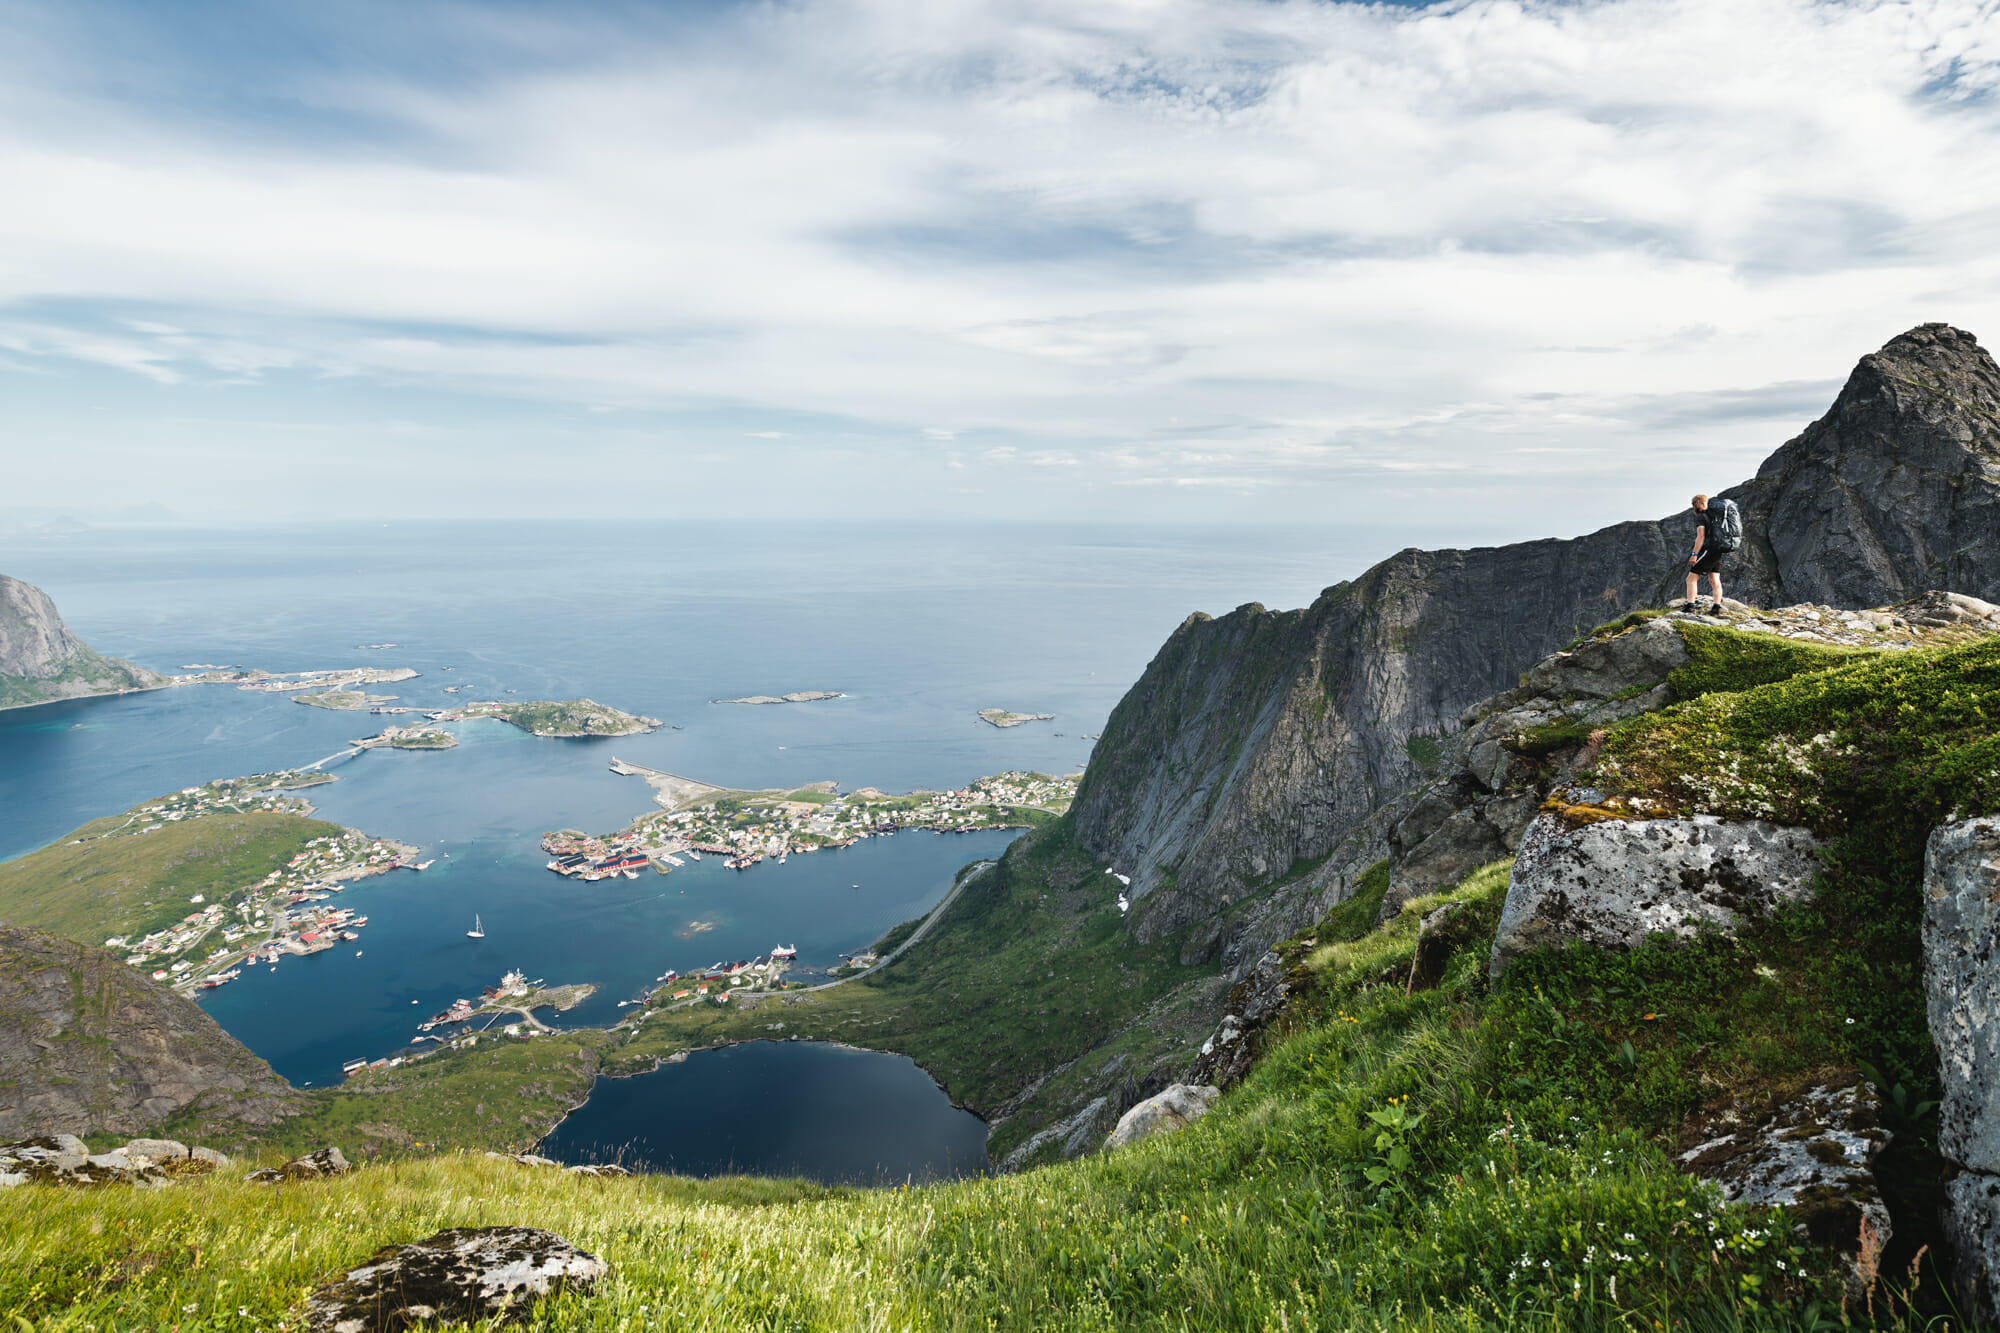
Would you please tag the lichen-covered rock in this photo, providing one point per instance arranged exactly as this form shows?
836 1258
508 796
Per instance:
316 1165
523 1158
1814 1154
1176 1108
1227 1055
457 1276
1962 995
1972 1228
1614 882
62 1159
1962 986
604 1169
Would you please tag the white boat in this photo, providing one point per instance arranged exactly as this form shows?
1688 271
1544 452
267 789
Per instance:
694 856
783 951
478 932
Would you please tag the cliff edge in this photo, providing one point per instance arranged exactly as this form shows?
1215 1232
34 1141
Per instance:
1262 748
41 661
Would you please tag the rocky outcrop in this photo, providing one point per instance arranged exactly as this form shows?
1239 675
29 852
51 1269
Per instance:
62 1159
1260 997
1814 1154
87 1045
1260 741
1612 882
41 661
1072 1136
319 1164
462 1275
1962 995
1176 1108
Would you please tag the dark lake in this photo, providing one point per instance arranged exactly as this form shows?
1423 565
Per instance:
829 1113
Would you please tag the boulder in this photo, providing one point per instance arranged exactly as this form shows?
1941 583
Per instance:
1073 1135
523 1158
1962 995
1962 987
315 1165
1814 1154
461 1275
1178 1107
606 1169
1614 882
62 1159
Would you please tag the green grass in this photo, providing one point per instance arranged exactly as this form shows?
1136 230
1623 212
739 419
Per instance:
137 884
1384 1167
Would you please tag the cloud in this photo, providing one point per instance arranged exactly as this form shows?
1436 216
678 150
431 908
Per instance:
1197 244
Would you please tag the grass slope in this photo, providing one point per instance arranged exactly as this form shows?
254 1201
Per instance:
134 885
1398 1160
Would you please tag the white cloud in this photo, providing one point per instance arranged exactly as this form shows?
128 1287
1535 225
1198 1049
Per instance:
1175 243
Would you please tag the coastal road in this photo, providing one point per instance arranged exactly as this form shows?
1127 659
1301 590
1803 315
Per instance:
935 913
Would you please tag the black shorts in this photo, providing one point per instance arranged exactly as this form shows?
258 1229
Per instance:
1711 560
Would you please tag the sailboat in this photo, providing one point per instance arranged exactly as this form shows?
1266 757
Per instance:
478 932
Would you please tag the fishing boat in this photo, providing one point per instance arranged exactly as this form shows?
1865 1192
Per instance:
784 951
478 932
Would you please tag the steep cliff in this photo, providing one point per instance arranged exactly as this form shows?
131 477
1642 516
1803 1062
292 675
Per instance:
1260 742
88 1045
41 661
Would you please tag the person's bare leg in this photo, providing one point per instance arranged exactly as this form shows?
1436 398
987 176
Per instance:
1715 582
1694 585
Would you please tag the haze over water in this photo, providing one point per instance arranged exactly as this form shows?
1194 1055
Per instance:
917 626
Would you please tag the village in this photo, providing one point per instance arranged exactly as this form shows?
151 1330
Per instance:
283 914
744 828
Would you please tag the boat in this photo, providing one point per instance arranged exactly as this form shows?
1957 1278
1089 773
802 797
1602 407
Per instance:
694 856
631 874
785 951
478 932
425 865
357 953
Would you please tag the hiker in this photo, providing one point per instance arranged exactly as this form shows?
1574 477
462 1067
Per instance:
1718 531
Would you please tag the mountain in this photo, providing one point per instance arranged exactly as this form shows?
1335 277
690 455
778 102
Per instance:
87 1045
41 661
1269 747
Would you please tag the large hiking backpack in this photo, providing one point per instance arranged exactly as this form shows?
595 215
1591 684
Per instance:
1725 525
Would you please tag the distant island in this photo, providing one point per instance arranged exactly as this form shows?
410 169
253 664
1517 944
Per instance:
802 697
1000 717
566 718
408 738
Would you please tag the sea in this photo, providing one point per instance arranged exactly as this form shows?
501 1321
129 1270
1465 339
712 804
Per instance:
916 626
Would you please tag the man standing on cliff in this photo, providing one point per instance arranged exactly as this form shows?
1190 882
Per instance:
1718 531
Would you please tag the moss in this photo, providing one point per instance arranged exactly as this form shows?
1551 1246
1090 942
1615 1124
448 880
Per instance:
1537 742
1730 661
1426 752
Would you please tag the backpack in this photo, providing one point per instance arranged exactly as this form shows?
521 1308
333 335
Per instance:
1725 526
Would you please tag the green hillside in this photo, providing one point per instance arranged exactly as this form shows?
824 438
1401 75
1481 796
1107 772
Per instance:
133 884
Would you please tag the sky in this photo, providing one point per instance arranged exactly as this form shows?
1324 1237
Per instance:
1525 266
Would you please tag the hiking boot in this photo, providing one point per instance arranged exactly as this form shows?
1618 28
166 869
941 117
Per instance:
1686 606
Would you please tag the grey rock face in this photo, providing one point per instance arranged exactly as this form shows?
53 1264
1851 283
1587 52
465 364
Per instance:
40 660
1073 1135
1227 1055
461 1275
88 1044
1260 738
62 1159
1962 986
1972 1226
319 1164
1815 1155
1962 995
1613 883
34 642
1176 1108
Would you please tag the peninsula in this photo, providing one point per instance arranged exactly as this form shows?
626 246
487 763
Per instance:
188 885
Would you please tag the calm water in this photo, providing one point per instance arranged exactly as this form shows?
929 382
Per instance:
918 626
835 1115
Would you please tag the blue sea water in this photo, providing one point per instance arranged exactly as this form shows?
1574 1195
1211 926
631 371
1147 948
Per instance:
918 627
